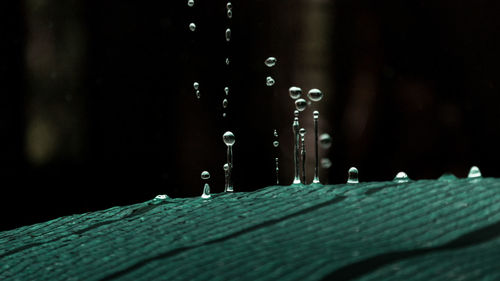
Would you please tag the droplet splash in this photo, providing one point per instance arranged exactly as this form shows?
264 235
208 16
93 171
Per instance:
301 104
353 175
315 95
316 151
269 81
302 133
205 175
190 3
270 61
229 140
225 103
227 188
192 26
326 163
474 172
325 141
295 92
401 177
228 34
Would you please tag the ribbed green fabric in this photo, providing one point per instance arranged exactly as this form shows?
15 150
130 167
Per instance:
421 230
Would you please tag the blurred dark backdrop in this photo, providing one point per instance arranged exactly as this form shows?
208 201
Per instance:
98 107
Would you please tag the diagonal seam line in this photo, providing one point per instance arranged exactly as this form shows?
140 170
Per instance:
139 264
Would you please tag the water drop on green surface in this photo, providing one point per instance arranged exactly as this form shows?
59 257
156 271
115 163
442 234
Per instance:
315 95
190 3
206 192
474 172
295 92
161 197
325 141
269 81
228 34
353 175
326 163
205 175
192 26
401 177
301 104
277 170
225 103
270 61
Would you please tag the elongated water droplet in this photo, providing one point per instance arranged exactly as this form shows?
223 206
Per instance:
269 81
230 14
270 61
401 177
301 104
224 103
302 133
326 163
190 3
229 6
205 175
277 170
206 192
296 151
353 175
276 143
227 61
315 95
316 150
192 26
198 95
229 140
295 92
226 90
228 34
196 85
474 172
325 140
227 188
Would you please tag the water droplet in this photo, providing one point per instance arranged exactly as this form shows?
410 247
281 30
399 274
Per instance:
269 81
316 150
325 140
196 85
198 94
295 125
302 132
224 115
295 92
270 61
296 113
224 103
277 170
230 13
190 3
448 177
227 61
226 90
316 114
206 192
226 167
315 95
276 143
228 34
205 175
229 6
401 177
353 175
228 138
301 104
192 26
275 133
326 163
161 197
474 172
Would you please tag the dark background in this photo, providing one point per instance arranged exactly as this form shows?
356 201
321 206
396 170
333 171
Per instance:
97 106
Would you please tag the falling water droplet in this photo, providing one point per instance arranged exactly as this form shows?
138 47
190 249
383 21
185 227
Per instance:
326 163
270 61
190 3
206 192
229 6
315 95
401 177
302 132
196 85
205 175
325 140
224 103
295 92
353 175
226 90
227 61
224 115
198 94
228 34
276 143
316 114
230 13
192 26
269 81
301 104
296 113
275 133
229 138
474 172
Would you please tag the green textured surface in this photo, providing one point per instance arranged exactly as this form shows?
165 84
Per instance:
444 229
